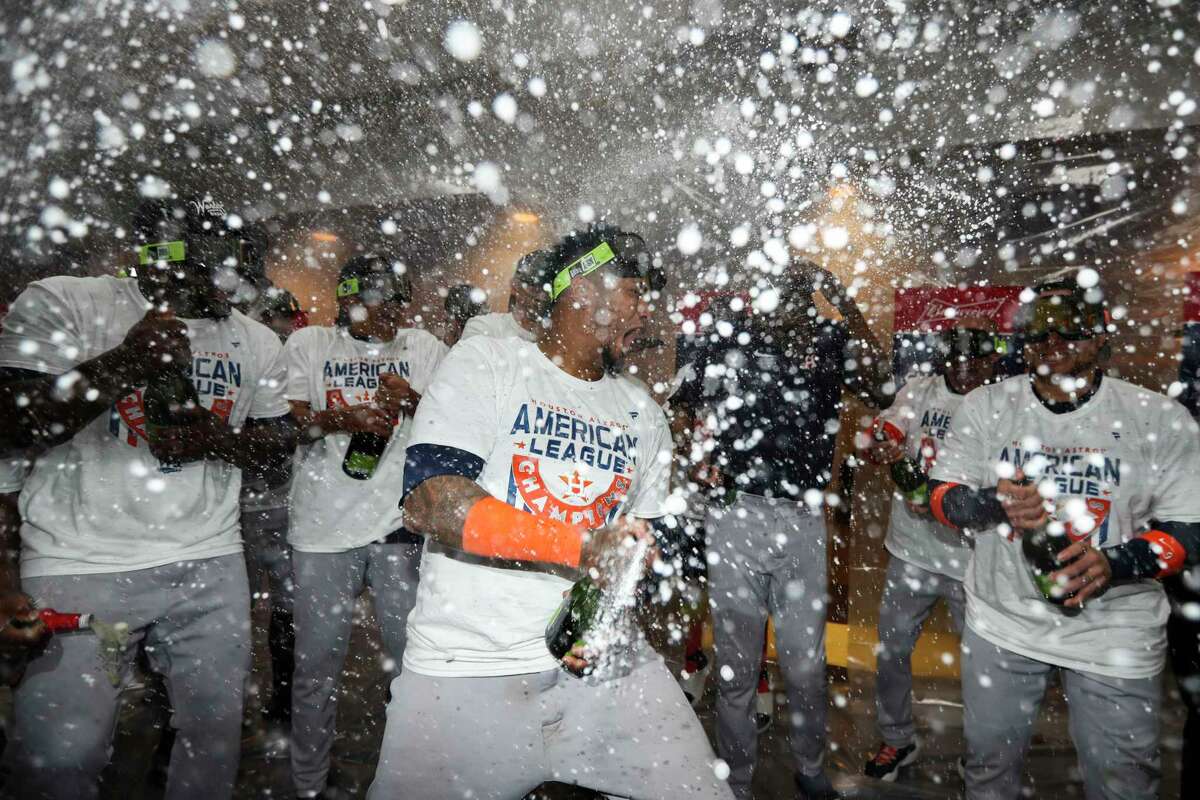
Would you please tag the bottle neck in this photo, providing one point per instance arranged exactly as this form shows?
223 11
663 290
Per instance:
58 622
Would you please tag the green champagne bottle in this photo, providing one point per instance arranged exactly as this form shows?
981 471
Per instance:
574 618
166 401
908 476
1041 548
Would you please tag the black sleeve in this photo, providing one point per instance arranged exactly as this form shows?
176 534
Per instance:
964 507
425 461
1137 558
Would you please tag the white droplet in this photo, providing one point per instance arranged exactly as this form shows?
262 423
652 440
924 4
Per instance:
1044 107
285 143
586 213
866 86
743 163
59 188
721 770
767 301
537 87
835 237
215 58
689 239
739 235
1087 278
237 21
463 40
839 24
505 107
726 673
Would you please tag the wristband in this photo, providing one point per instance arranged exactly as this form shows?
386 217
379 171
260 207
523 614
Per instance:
959 506
1169 552
497 530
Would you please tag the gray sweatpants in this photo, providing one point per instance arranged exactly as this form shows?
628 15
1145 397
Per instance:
268 556
909 595
327 585
769 560
499 738
1114 724
194 620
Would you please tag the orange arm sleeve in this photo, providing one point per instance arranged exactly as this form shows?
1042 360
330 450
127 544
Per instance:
497 530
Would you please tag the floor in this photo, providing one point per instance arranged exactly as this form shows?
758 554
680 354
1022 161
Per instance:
264 774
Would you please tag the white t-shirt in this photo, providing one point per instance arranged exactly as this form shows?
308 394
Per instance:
328 368
552 444
101 502
1127 456
498 326
922 411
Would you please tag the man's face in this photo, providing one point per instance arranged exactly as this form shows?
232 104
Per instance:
526 301
1062 341
194 288
617 310
972 358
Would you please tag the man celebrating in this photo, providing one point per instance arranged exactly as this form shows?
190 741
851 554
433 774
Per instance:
363 376
526 304
927 559
134 523
776 390
1117 465
529 463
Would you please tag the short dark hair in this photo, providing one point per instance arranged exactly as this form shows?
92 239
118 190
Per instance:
460 305
363 265
634 262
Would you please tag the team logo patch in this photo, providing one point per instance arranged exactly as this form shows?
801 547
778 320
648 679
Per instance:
567 496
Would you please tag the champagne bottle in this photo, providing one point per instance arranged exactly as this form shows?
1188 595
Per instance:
908 476
166 401
574 618
1041 547
113 637
363 455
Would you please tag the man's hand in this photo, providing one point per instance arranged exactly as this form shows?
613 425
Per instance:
365 419
608 549
157 340
889 451
23 631
1087 572
576 661
1022 503
202 436
396 396
918 510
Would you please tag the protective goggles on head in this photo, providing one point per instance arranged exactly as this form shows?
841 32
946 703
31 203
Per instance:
624 253
209 251
1065 315
373 289
970 343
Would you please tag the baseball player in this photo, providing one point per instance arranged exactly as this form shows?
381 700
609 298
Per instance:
776 393
463 303
526 305
364 375
132 528
1116 465
522 456
927 560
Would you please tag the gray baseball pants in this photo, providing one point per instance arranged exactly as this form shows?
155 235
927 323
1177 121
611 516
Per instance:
769 561
194 620
268 556
1114 724
327 585
909 595
499 738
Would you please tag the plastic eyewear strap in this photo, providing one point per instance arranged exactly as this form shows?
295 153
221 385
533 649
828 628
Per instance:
162 251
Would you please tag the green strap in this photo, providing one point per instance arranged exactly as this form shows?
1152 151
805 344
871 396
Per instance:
347 287
585 264
161 251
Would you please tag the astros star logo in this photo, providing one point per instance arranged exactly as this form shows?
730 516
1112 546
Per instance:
575 482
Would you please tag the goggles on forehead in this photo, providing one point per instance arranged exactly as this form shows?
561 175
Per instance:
372 288
974 343
209 251
625 252
1062 315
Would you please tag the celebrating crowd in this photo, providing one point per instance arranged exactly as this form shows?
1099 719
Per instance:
471 488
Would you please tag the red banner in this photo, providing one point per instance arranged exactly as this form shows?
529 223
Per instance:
1191 301
929 309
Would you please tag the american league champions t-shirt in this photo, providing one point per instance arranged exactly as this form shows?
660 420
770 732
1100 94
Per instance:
101 502
922 411
328 368
1123 458
553 445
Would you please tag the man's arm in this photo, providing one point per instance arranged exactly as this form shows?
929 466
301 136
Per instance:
873 373
30 633
46 410
315 425
258 446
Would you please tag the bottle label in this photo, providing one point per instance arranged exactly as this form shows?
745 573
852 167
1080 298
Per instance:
361 463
